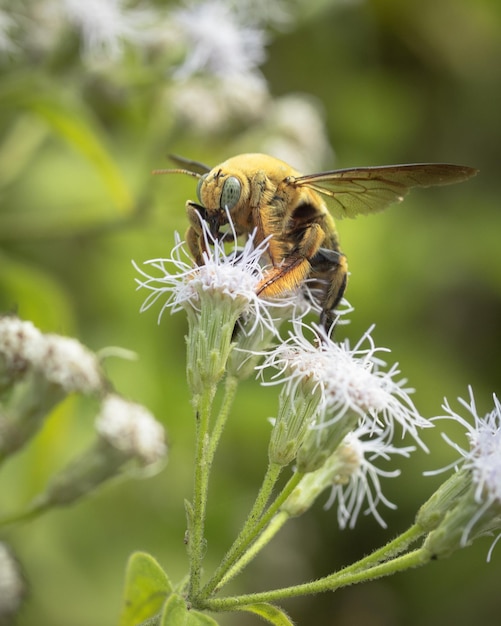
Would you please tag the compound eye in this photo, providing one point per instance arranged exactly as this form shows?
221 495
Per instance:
199 188
230 193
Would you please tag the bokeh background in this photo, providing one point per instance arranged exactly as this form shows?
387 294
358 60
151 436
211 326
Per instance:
89 105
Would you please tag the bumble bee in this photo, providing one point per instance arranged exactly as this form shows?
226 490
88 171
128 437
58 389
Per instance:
260 193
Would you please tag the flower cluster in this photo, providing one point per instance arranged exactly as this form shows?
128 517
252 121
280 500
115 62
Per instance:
334 397
62 361
225 314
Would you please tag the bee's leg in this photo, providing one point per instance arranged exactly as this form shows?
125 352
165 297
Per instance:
194 235
294 269
330 269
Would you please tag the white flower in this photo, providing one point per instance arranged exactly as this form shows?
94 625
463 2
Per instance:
233 276
351 379
61 360
18 341
242 98
296 133
131 429
219 41
106 24
482 459
357 478
65 362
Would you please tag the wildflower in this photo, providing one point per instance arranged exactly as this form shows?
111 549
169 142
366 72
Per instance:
131 429
68 364
473 508
128 436
215 295
105 25
18 341
297 409
353 389
295 132
61 361
243 99
353 477
219 41
45 369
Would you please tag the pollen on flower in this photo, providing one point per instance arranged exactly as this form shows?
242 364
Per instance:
132 429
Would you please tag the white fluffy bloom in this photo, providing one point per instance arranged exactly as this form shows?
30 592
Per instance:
357 478
19 340
67 363
105 25
351 379
63 361
234 276
219 41
482 459
243 98
296 133
131 429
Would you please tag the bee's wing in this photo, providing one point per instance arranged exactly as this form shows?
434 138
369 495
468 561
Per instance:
192 166
364 190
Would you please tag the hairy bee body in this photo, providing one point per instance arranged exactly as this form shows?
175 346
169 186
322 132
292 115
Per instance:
259 193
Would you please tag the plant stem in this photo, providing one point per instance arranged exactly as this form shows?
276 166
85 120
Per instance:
263 539
342 578
196 522
230 390
25 516
390 550
272 521
248 532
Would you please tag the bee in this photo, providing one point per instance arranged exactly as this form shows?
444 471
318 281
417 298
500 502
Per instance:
264 195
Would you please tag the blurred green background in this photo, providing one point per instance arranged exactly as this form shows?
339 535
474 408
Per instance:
389 82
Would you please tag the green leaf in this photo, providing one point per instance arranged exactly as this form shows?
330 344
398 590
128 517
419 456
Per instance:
146 588
75 127
69 118
268 612
176 613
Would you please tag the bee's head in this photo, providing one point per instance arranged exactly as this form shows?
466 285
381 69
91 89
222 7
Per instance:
219 191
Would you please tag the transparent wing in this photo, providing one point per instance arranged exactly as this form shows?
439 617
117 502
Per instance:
192 166
364 190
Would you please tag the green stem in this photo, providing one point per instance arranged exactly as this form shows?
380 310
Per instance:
415 558
263 539
197 513
234 565
248 533
390 550
230 390
25 516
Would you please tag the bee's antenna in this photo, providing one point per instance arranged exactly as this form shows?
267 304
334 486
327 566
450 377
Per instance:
177 171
